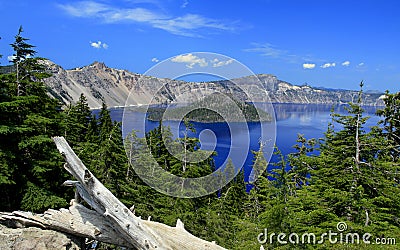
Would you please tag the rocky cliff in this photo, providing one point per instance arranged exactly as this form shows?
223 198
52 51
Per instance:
100 83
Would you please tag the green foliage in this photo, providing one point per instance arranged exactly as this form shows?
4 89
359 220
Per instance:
30 163
178 164
391 124
78 125
350 175
21 48
39 199
99 144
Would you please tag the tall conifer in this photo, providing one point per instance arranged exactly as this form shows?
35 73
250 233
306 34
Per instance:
29 117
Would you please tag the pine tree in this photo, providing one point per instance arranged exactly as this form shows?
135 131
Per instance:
78 117
229 206
23 50
353 180
344 150
105 122
112 163
391 124
99 144
93 131
143 154
29 117
274 196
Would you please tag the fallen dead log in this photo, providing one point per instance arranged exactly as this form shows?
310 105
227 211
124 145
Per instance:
110 221
140 234
76 220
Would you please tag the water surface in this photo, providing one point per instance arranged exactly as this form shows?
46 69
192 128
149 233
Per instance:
310 120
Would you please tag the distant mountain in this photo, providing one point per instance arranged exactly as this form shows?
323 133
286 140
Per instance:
101 83
7 69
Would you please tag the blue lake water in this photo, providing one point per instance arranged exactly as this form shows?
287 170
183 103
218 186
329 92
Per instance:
311 120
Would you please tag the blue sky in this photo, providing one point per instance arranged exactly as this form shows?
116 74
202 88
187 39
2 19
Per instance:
331 43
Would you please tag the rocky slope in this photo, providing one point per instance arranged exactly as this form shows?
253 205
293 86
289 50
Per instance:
101 83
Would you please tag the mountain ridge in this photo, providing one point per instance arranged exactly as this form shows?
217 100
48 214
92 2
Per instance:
113 86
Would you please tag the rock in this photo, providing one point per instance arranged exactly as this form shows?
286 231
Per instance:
113 86
36 239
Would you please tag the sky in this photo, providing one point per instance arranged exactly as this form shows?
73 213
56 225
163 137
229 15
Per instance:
330 43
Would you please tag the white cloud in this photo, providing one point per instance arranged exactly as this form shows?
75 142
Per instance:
361 67
328 65
99 45
308 65
156 3
84 9
217 63
155 59
267 49
136 15
96 45
184 4
11 58
186 25
346 63
190 60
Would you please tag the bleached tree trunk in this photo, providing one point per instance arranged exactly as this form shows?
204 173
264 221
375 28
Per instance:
109 220
137 232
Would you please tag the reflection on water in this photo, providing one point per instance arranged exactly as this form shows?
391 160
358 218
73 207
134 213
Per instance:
310 120
305 111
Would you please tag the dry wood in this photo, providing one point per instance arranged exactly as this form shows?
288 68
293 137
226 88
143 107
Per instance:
77 220
136 232
110 221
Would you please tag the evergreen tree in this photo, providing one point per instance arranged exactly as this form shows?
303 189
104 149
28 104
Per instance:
391 124
228 208
105 122
23 50
112 165
29 160
163 208
93 131
78 117
343 162
353 180
99 144
274 195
